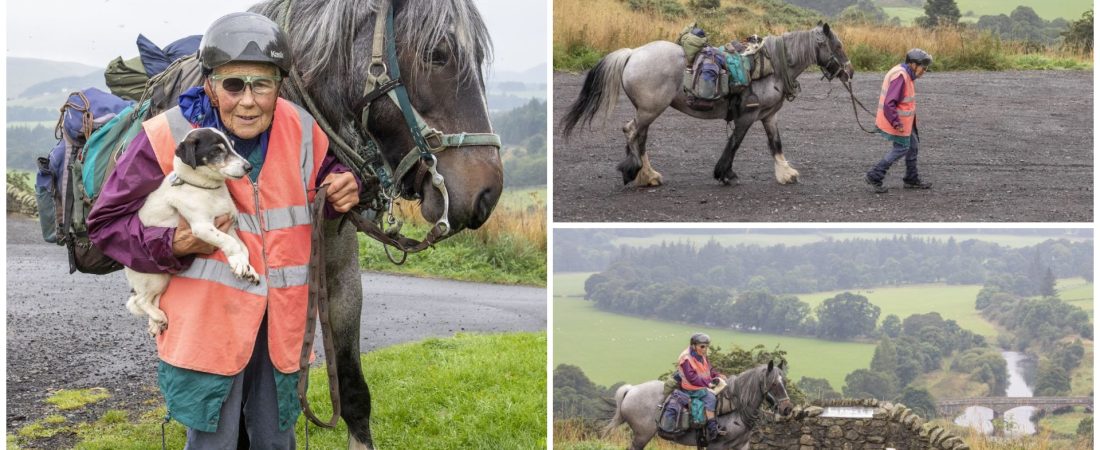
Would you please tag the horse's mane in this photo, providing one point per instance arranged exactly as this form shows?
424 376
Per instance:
321 32
745 392
800 46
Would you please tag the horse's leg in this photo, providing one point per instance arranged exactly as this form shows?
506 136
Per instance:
636 166
345 291
784 173
723 171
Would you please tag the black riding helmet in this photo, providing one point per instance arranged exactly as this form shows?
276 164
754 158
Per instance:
918 56
699 338
244 36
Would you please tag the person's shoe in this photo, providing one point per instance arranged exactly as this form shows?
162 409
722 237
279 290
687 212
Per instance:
876 185
917 185
712 430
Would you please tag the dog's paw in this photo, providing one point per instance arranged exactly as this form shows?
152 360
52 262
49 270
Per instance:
157 327
243 270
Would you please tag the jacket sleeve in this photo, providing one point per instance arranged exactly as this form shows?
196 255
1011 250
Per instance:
331 165
113 224
893 97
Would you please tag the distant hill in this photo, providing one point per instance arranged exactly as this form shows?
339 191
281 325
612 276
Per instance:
536 74
26 72
65 85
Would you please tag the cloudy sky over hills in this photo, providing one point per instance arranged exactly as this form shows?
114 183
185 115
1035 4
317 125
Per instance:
62 30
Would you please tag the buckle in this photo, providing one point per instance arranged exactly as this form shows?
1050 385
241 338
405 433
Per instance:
434 139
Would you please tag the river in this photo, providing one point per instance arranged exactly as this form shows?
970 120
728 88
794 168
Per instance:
1020 418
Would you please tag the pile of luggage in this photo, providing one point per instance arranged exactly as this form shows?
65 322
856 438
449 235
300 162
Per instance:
714 73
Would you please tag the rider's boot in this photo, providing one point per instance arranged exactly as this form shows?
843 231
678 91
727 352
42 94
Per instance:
712 430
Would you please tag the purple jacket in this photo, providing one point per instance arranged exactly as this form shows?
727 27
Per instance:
894 95
695 378
114 226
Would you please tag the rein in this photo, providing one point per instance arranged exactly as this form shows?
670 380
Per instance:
384 81
318 308
855 101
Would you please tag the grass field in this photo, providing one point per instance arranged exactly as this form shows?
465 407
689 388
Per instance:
1077 292
951 301
456 393
510 248
570 284
748 238
612 348
1067 9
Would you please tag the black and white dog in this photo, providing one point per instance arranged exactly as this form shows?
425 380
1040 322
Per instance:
195 190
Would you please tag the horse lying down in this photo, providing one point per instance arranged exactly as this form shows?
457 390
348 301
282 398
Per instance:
196 191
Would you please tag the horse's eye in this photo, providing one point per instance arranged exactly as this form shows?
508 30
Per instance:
439 56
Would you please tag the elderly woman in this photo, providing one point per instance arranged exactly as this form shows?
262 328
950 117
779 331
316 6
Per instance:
696 375
229 356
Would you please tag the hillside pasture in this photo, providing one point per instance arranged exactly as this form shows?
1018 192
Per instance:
954 302
613 348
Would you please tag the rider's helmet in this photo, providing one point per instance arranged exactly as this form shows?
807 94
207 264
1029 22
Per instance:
918 56
244 36
699 338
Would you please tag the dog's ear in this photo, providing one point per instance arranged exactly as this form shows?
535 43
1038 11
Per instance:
186 150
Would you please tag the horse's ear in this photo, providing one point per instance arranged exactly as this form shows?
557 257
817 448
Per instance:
819 23
771 365
825 29
783 365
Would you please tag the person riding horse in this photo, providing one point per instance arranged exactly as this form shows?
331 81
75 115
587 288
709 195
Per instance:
696 375
897 121
230 354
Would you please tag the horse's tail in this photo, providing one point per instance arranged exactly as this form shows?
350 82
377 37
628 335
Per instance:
600 91
616 419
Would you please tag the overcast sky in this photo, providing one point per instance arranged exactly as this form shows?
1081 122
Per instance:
94 32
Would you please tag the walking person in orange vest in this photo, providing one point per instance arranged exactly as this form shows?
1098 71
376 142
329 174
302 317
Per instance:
897 120
696 374
229 356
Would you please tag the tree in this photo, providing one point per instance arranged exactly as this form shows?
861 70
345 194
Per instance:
939 13
864 383
817 388
921 401
846 316
1052 380
886 357
891 326
1046 285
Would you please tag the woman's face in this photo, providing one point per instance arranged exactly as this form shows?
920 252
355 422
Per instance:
701 349
245 112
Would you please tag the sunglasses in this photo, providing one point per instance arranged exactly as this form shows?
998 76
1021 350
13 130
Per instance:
260 84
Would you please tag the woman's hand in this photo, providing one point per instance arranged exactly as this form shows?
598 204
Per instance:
343 191
184 243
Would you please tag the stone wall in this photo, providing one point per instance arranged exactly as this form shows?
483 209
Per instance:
891 426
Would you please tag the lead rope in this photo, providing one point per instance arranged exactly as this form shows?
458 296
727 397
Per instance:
318 308
848 87
163 425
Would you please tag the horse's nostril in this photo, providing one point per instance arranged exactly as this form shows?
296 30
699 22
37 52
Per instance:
486 200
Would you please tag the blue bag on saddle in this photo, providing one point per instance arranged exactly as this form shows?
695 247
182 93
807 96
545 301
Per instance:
738 67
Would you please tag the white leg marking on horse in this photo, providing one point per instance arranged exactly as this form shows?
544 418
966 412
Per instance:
354 444
647 176
784 173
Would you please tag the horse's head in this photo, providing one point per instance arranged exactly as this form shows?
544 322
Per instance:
775 388
440 48
830 54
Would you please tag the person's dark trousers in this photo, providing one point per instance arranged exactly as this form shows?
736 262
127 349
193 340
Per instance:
878 173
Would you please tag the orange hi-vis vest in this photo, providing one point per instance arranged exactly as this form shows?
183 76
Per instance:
907 107
701 368
214 317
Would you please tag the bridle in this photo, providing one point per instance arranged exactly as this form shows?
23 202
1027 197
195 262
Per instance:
367 161
823 41
767 391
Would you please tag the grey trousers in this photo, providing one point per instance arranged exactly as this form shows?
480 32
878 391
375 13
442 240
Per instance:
897 151
252 402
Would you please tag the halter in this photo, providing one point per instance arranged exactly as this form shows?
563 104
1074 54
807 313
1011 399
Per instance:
822 40
768 394
384 79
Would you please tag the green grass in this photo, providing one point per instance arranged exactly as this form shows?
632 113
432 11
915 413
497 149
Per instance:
1064 424
514 254
1081 377
469 391
1077 292
66 399
1067 9
612 348
812 236
951 301
570 284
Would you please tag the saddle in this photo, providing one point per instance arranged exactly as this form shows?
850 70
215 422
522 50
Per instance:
722 72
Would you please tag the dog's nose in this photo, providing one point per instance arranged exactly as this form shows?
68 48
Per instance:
247 166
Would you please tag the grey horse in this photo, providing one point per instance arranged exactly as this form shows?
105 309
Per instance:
652 77
639 407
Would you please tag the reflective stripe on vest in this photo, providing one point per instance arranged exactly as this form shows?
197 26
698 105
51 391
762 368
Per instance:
701 368
214 316
907 107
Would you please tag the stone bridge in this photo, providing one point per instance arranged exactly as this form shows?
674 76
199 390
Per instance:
999 405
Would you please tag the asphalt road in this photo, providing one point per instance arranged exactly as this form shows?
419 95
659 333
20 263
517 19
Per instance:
73 331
